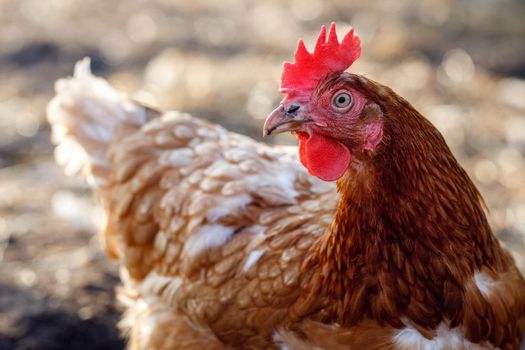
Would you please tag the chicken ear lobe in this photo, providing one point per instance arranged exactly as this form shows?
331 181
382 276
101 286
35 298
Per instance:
373 129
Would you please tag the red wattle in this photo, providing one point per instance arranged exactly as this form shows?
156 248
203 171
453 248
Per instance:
323 156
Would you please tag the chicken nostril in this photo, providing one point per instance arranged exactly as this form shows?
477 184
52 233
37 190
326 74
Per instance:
292 108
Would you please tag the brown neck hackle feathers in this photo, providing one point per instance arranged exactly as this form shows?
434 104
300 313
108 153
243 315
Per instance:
409 228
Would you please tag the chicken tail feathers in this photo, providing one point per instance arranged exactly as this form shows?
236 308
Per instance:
84 116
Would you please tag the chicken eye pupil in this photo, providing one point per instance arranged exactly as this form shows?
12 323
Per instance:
342 100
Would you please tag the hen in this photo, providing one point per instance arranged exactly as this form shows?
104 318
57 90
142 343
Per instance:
229 243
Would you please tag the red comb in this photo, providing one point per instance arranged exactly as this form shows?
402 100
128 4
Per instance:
329 56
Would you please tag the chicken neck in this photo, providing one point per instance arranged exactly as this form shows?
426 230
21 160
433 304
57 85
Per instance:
408 230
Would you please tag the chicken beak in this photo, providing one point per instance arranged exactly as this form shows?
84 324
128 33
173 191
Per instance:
284 120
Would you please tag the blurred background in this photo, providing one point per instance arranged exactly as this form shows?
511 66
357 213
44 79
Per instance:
461 63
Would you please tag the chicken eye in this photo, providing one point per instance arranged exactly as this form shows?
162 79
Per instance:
342 101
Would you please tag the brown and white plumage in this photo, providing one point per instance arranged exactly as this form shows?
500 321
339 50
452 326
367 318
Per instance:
229 243
207 223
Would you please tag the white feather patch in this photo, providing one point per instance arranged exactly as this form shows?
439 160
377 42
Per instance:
154 284
84 115
252 259
179 157
228 205
484 283
207 236
410 339
222 169
279 341
278 189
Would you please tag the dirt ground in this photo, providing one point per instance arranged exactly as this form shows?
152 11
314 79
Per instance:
460 63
